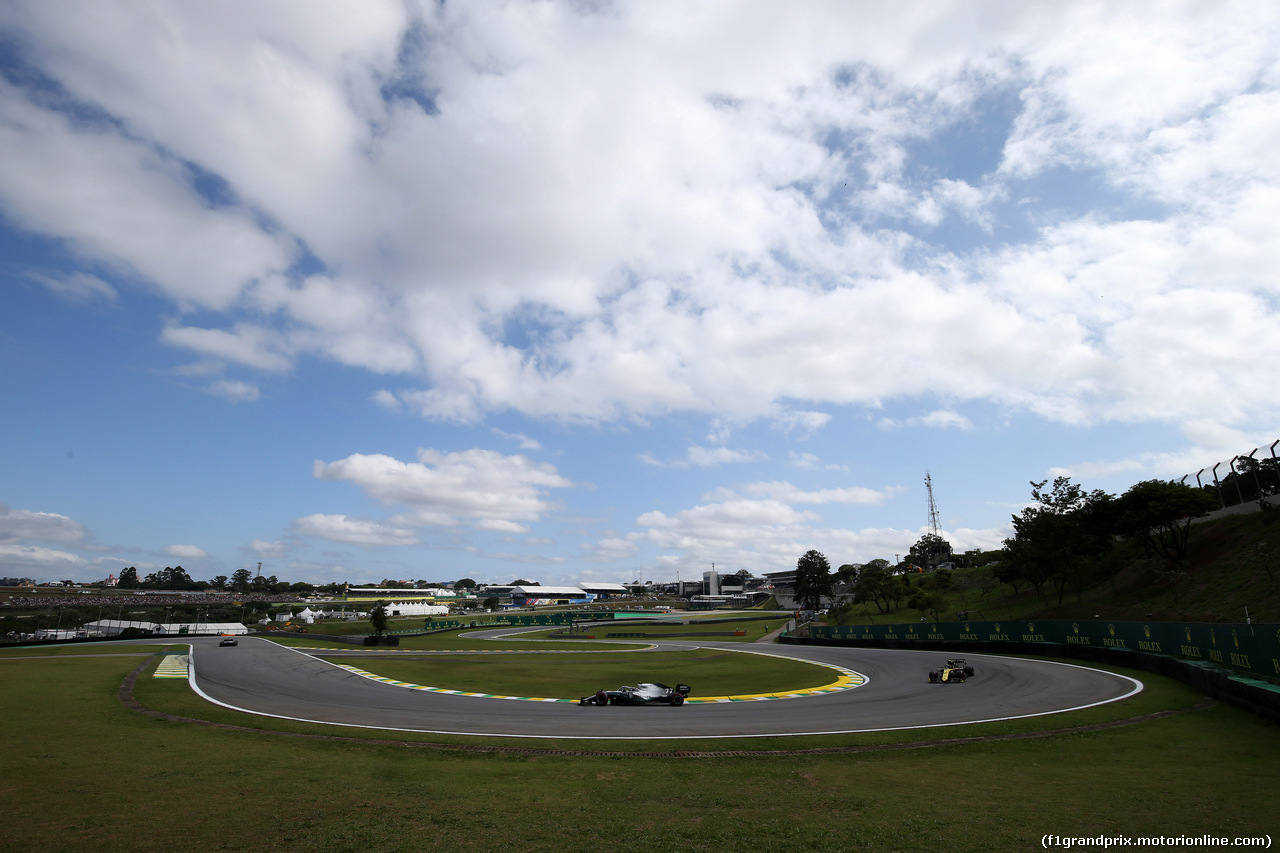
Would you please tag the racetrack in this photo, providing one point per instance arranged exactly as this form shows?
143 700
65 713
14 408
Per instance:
262 677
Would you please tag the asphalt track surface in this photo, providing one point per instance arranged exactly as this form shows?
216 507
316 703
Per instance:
262 677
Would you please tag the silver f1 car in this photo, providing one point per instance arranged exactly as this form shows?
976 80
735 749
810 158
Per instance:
644 693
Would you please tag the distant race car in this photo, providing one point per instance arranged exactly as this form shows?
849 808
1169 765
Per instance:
227 641
644 693
954 670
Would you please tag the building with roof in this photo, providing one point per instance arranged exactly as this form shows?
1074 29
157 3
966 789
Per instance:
603 590
530 596
115 627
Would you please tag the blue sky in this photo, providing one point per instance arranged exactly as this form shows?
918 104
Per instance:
565 293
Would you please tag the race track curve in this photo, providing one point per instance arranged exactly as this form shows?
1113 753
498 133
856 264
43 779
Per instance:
262 677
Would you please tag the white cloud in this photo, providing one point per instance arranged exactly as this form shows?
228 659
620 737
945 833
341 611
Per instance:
482 487
125 203
937 419
267 549
251 346
185 552
525 442
387 400
703 457
606 216
353 531
805 422
610 549
235 391
77 287
18 525
812 461
784 491
36 557
763 531
706 457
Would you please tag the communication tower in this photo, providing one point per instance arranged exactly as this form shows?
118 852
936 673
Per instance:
933 507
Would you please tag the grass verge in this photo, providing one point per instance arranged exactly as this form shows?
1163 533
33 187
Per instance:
85 773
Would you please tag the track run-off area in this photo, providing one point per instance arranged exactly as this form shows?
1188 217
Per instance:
871 690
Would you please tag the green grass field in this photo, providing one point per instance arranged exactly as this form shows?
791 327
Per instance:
710 672
80 771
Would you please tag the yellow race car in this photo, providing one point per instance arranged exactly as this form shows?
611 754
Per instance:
954 670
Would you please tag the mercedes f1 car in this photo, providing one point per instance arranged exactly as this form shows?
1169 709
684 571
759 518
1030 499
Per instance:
954 670
644 693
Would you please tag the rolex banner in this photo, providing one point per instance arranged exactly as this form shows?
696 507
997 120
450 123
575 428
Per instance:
1254 649
520 619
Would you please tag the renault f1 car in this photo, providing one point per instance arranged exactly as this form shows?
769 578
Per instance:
954 670
644 693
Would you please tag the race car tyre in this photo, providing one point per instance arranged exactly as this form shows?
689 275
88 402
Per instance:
933 678
602 698
968 672
677 699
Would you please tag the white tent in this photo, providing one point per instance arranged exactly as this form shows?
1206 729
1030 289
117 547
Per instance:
416 608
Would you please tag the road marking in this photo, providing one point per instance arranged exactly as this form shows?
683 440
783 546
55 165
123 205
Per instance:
172 666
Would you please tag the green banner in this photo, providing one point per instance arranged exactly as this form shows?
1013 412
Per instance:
518 620
1254 649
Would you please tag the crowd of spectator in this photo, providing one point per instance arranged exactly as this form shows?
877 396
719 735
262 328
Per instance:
150 599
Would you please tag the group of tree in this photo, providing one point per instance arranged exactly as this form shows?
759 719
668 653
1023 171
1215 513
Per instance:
1068 539
241 581
1072 539
889 587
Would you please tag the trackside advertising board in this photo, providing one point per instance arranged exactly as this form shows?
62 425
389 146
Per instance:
520 619
1254 649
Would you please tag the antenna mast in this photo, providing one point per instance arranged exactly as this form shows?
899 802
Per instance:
933 507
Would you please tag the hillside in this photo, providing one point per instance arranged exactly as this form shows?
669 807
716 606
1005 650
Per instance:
1227 571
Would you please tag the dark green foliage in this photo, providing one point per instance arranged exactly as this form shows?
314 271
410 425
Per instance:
931 551
1062 541
1158 515
378 618
814 580
877 584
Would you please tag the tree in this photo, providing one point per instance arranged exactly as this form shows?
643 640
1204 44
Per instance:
219 582
378 618
241 579
128 578
872 584
464 583
814 581
928 602
523 582
1061 540
848 572
1158 514
931 551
